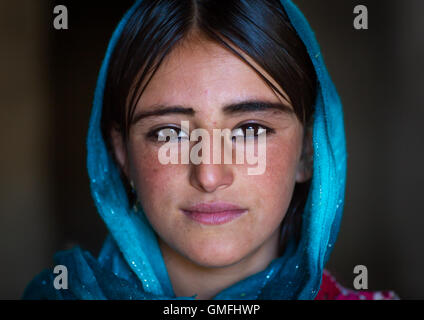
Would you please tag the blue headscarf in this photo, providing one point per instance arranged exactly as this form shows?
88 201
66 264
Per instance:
130 264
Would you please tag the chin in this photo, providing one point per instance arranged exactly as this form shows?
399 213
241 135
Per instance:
215 255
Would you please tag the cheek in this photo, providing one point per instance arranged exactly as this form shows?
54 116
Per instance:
273 190
154 181
282 162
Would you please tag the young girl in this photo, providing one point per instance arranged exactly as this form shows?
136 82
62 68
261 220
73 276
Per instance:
177 70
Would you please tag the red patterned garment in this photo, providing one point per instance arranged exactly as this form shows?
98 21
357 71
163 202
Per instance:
331 290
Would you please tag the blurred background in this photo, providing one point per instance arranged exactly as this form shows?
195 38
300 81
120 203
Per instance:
47 80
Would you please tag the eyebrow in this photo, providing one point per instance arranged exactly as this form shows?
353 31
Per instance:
256 106
231 109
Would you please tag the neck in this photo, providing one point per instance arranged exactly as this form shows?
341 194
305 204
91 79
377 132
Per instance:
189 279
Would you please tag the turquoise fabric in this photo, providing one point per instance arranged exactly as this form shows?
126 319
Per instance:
130 265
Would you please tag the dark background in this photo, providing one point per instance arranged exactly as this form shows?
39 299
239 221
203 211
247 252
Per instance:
47 80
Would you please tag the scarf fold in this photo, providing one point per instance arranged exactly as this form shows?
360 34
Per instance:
131 266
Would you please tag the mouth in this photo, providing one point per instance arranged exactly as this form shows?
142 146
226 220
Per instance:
214 213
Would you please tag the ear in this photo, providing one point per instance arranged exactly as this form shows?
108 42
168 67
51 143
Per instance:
305 167
119 149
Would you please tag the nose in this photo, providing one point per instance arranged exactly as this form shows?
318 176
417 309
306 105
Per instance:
212 176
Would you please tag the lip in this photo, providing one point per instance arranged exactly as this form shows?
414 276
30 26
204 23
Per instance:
214 213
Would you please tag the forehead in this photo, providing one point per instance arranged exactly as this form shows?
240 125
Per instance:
202 74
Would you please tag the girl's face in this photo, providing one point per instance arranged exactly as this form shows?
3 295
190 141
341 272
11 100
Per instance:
204 78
